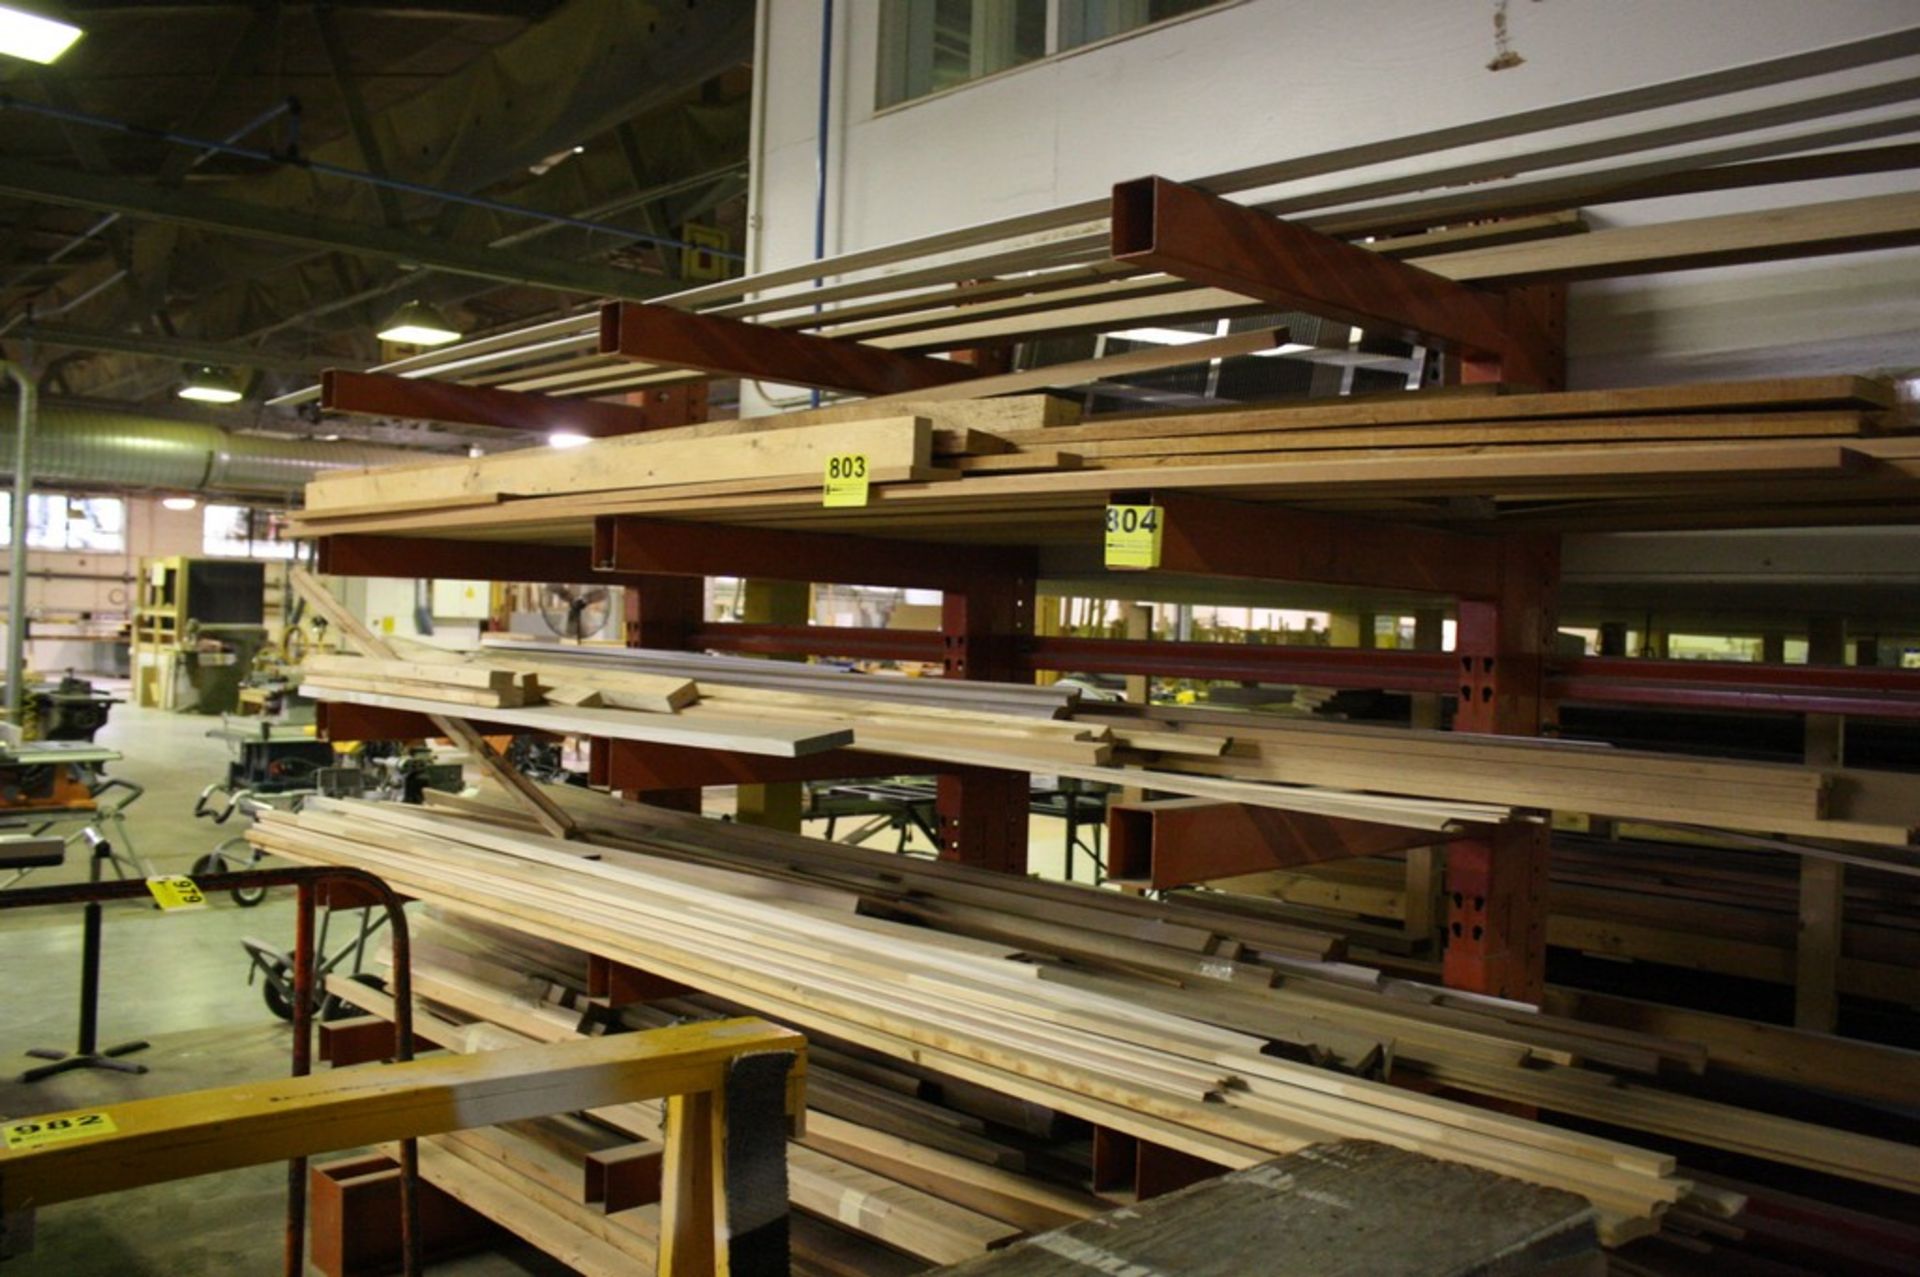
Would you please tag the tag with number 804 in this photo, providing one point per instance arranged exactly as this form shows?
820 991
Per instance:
847 478
1133 536
176 891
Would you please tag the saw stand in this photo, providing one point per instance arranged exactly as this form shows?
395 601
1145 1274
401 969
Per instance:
87 1054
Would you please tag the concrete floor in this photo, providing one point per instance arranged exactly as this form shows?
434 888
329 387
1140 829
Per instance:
179 980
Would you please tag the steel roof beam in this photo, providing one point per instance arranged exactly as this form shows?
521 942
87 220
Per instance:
177 349
231 217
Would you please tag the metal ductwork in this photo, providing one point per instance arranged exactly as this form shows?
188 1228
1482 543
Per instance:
87 446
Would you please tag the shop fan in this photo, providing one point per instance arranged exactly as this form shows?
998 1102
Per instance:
575 611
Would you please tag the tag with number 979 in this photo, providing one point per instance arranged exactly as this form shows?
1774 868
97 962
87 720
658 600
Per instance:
176 891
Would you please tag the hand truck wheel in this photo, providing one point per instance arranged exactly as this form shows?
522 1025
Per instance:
215 862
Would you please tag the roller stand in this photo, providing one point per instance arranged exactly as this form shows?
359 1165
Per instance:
87 1055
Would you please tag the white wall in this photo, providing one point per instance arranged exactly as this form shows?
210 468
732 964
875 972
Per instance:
1263 80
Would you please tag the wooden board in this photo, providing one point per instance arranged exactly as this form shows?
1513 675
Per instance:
708 731
633 461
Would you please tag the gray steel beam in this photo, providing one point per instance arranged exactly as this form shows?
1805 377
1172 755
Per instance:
231 217
178 349
372 158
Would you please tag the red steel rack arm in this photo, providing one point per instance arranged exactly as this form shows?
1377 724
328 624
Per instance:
421 399
1188 232
731 348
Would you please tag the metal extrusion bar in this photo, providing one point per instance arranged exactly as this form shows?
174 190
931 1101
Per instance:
730 348
1163 225
847 642
419 399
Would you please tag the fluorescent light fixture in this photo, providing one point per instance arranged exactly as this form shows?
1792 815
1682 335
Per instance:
207 383
32 36
179 503
418 324
1161 336
567 439
1284 348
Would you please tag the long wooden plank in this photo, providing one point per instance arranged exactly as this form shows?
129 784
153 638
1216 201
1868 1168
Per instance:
707 731
632 462
1504 432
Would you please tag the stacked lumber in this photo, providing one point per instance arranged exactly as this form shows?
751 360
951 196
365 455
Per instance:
1325 1011
448 683
1777 1232
1565 776
791 711
1827 438
1438 781
862 1107
1088 1028
1721 910
964 1010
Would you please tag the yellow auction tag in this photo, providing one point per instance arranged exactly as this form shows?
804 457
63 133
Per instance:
176 891
58 1130
846 479
1133 536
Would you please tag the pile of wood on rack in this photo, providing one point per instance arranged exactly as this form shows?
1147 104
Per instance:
1169 1022
1434 781
1724 909
1821 439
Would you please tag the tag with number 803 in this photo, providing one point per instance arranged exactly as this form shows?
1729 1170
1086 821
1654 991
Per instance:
847 477
1133 536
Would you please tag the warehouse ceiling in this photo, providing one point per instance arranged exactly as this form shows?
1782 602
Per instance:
130 249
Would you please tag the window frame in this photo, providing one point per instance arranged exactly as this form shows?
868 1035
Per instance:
891 70
284 549
42 497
